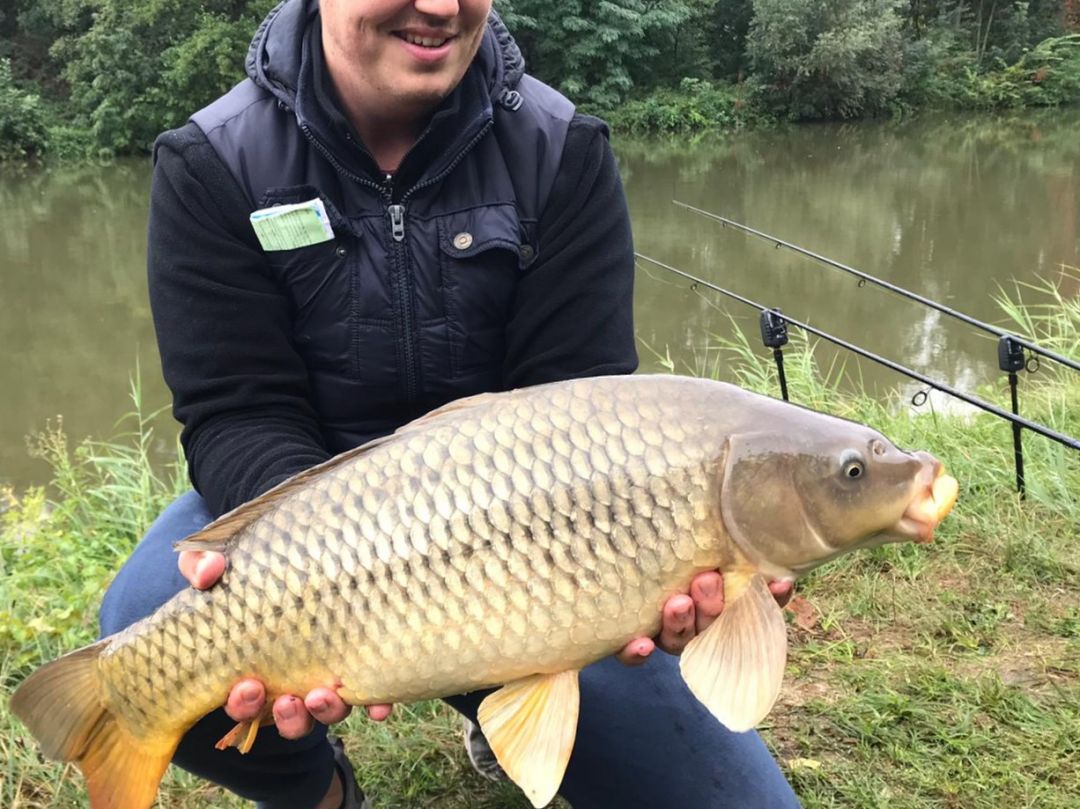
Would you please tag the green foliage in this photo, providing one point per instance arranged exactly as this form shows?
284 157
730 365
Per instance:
22 120
1048 75
112 74
725 28
143 68
591 50
695 107
815 59
58 553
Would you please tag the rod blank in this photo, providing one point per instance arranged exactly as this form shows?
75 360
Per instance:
974 401
777 242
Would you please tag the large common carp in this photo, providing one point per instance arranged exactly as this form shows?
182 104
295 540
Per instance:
505 539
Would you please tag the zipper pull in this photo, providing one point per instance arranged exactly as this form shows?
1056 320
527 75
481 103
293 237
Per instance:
397 222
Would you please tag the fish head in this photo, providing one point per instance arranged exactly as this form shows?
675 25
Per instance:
794 499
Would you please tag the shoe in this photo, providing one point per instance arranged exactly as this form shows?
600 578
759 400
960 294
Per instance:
354 796
480 754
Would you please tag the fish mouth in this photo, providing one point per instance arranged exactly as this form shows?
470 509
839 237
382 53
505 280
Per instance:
935 496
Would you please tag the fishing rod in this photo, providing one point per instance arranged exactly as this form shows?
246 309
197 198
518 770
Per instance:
774 333
867 278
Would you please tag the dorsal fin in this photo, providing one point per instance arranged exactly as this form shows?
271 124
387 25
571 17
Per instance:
217 535
455 406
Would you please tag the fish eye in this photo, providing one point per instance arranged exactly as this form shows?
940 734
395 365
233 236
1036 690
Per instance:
852 465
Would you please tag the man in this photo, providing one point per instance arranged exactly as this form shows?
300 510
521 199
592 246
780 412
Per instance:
470 234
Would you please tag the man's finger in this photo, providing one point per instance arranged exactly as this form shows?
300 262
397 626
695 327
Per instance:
636 652
292 718
707 590
678 626
245 700
202 569
326 706
782 591
378 713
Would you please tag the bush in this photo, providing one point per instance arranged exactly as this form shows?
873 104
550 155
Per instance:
140 69
22 120
1048 75
696 106
815 59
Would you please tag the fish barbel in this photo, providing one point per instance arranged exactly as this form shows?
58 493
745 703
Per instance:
503 540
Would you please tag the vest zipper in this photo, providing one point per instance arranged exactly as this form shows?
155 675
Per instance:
402 279
399 256
397 222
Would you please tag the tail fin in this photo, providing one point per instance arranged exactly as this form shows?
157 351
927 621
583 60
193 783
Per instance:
63 706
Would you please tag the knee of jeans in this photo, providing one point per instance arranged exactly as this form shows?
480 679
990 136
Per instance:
150 576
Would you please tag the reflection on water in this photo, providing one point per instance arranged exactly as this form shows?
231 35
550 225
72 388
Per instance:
951 210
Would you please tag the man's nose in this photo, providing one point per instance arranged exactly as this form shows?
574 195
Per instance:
438 8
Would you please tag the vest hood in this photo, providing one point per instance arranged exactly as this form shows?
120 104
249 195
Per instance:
275 55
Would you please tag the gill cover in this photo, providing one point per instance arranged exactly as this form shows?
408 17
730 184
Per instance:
762 509
795 498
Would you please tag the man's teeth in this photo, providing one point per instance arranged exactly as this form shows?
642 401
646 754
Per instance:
425 41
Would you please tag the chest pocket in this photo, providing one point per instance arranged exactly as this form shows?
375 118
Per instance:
317 282
482 252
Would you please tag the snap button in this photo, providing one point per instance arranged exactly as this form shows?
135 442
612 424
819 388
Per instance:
463 241
526 252
341 251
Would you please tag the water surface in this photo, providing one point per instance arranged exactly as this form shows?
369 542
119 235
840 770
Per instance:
951 209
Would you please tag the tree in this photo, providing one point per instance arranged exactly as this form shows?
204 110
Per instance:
592 50
22 122
140 68
815 59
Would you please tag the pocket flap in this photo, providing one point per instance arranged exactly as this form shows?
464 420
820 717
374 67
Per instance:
467 233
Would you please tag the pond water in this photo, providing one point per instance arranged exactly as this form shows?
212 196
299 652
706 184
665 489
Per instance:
953 209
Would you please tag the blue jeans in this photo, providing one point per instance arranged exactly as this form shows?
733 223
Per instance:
643 741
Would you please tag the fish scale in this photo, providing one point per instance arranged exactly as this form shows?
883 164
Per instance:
506 539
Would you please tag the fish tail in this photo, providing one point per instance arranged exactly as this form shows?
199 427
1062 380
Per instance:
63 705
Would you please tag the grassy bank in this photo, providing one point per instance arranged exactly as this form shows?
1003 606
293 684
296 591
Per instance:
940 676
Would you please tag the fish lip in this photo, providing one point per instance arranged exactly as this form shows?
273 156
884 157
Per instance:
935 496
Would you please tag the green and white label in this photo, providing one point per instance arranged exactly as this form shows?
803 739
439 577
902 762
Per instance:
286 227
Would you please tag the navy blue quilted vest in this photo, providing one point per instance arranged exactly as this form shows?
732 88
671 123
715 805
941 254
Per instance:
407 305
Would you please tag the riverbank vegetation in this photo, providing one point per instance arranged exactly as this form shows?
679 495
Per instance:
102 77
920 676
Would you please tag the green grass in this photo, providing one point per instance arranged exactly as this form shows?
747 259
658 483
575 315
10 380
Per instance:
920 676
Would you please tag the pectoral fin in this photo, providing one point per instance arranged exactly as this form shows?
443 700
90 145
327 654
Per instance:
530 725
735 667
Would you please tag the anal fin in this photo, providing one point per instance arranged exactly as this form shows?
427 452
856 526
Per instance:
736 666
531 725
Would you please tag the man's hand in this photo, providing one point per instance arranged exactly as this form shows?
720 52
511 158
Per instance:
687 615
293 716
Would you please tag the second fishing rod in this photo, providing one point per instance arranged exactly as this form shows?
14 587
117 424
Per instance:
1008 343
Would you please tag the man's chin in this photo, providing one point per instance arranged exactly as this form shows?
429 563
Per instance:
422 96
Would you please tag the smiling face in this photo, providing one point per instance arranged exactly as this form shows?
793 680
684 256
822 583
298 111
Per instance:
393 59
